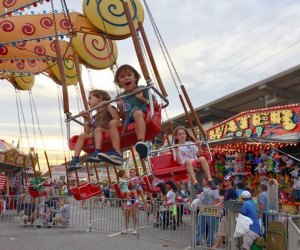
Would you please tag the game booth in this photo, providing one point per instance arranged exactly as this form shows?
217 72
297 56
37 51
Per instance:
12 161
258 145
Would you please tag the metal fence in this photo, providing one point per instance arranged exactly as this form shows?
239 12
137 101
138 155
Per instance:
294 233
204 227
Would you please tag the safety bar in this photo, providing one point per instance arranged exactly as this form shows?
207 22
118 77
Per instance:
170 147
123 97
138 177
190 144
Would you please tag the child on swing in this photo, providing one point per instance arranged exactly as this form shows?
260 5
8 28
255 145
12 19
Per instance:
131 109
137 185
124 189
94 126
189 154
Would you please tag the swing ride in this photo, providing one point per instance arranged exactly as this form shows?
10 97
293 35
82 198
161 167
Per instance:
59 44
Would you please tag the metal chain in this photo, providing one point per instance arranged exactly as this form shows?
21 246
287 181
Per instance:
107 37
32 117
59 98
19 120
38 122
22 112
162 44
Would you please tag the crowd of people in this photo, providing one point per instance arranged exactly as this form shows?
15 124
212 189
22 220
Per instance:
54 209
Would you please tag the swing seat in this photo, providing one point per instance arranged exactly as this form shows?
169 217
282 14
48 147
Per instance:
177 179
149 186
128 139
35 193
121 195
165 166
85 191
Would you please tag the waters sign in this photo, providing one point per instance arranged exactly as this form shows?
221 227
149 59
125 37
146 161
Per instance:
259 123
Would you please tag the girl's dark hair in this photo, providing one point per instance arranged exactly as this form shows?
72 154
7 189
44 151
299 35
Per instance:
121 173
189 137
100 94
124 67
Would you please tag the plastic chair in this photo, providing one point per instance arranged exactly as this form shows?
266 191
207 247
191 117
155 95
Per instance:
153 128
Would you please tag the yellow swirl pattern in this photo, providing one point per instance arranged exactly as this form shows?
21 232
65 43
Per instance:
97 51
109 16
70 71
22 82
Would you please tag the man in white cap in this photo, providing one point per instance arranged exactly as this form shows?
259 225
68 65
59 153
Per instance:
249 209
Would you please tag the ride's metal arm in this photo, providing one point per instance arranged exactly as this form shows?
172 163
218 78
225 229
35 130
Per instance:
123 97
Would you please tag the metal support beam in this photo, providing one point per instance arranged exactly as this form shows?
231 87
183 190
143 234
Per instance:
282 93
219 112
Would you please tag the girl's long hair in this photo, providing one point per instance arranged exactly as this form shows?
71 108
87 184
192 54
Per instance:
189 137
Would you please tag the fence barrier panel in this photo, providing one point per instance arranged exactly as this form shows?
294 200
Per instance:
199 227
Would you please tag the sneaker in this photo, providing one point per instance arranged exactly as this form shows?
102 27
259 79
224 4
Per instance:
112 157
198 187
93 157
74 165
134 232
212 185
142 149
125 231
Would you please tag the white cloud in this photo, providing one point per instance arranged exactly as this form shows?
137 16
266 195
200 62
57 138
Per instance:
217 47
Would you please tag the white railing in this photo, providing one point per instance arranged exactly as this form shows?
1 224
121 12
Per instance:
293 233
198 228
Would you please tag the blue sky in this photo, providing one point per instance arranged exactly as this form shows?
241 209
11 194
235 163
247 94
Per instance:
217 47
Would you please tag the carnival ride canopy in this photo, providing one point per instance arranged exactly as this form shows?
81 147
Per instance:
31 40
30 43
4 146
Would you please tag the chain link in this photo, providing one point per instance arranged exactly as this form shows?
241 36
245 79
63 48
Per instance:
163 46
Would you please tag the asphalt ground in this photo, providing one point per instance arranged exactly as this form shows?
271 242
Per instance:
18 237
106 226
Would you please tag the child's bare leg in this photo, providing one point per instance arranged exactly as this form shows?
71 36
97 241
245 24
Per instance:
140 125
126 219
114 134
98 137
135 194
205 167
151 198
127 196
134 218
80 142
142 195
190 171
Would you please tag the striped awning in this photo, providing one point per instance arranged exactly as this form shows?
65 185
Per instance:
4 146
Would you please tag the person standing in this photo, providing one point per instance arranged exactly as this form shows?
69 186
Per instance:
206 224
249 209
263 203
229 194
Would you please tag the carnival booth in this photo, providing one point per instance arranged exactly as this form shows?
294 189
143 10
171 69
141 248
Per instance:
257 145
11 164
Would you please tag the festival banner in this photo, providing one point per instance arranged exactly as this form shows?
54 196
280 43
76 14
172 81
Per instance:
281 122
